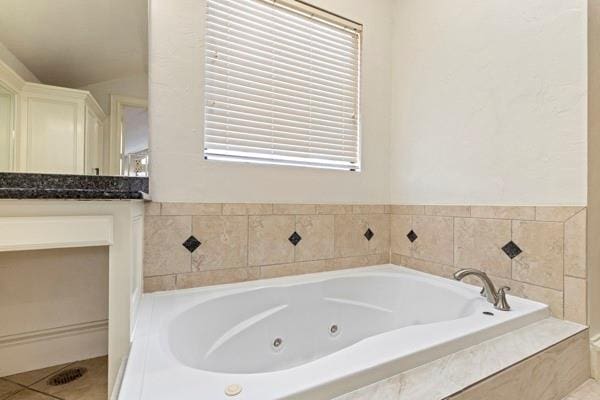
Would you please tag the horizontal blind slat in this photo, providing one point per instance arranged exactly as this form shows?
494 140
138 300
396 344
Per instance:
231 126
248 46
268 77
262 106
322 106
278 149
246 26
291 19
257 158
235 57
216 135
272 116
276 124
298 91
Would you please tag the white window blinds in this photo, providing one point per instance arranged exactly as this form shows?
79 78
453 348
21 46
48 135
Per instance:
281 85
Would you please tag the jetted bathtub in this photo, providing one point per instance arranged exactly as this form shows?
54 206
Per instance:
306 337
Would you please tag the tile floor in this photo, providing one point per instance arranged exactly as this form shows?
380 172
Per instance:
32 385
590 390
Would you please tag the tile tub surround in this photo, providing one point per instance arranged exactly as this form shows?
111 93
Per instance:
226 243
540 252
544 362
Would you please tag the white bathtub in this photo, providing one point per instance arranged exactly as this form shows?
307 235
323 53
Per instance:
336 331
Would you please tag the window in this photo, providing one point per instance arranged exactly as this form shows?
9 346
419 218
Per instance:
281 85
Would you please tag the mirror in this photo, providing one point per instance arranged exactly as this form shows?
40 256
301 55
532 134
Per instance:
74 87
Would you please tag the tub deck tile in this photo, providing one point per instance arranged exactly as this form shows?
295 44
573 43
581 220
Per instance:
448 375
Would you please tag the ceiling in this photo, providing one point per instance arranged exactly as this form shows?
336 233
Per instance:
74 43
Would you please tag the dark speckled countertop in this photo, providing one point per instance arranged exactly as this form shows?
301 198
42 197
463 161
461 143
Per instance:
78 187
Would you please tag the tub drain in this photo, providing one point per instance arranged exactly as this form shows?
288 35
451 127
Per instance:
66 376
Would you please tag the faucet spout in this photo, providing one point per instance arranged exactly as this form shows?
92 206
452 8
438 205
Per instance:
489 290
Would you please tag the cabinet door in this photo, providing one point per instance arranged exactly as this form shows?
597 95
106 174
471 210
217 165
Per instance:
54 136
6 129
93 144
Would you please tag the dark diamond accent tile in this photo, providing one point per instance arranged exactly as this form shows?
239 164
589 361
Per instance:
369 234
191 244
295 238
512 250
412 236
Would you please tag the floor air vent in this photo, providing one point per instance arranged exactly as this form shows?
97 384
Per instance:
66 376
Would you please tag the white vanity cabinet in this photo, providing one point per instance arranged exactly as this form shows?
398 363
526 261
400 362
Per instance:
61 131
55 129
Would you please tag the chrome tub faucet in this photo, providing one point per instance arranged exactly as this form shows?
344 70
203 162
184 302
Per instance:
497 298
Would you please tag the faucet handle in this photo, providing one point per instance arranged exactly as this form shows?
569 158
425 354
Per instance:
502 304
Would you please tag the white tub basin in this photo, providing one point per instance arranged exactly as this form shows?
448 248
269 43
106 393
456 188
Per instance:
312 336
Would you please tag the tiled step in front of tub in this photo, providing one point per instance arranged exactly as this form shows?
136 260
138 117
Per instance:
545 360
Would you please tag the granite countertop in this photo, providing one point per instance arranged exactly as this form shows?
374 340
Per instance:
78 187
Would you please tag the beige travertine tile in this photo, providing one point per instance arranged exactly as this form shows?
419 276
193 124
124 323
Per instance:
435 239
224 242
8 388
28 394
503 212
442 270
555 214
368 209
334 209
553 298
590 390
349 235
299 268
387 209
163 250
575 245
286 209
549 375
380 226
217 277
400 227
30 377
478 244
247 209
317 237
308 267
575 300
358 261
191 208
93 385
159 283
541 262
408 210
268 239
448 211
151 208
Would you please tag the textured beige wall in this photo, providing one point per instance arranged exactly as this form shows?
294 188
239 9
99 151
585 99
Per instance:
489 102
178 169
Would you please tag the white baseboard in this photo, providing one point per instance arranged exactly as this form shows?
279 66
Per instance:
40 349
